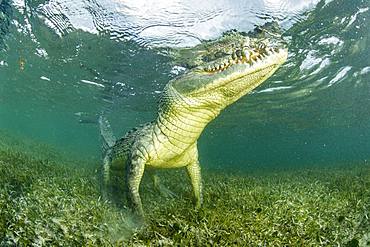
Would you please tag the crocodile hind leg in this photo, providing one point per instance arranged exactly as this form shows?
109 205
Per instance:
134 173
196 181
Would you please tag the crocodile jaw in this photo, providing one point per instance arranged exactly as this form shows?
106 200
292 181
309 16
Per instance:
247 78
221 88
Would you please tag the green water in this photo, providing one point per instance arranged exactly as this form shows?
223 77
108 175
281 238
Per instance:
318 115
55 80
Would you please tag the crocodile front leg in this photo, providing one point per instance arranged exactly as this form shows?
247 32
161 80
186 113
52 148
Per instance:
134 173
196 181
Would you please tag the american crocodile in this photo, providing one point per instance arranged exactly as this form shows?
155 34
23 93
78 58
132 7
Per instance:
220 72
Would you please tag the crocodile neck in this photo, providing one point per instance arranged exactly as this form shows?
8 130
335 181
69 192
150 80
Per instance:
182 120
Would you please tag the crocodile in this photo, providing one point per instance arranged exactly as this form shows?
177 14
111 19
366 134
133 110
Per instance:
219 72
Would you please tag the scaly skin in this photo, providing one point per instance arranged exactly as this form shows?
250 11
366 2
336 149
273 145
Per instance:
222 71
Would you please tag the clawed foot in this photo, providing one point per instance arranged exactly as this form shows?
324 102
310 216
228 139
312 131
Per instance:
162 189
166 192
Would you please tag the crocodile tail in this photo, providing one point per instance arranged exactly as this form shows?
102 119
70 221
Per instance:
106 133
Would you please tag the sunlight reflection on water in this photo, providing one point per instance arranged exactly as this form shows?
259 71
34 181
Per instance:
163 23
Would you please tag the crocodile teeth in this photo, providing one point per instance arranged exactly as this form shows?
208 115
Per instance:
246 55
242 55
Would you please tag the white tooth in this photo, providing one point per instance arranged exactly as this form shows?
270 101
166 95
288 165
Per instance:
246 54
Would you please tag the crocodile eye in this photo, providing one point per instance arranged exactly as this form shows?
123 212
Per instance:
214 55
207 58
219 54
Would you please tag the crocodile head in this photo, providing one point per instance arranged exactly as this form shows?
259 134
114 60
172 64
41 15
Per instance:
221 71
